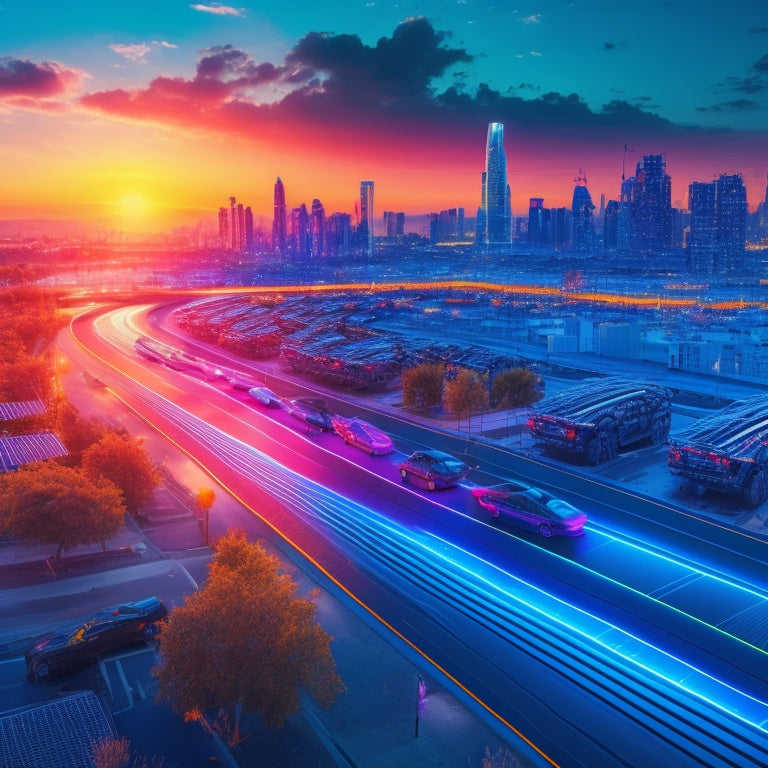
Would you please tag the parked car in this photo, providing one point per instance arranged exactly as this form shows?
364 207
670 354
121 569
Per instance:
265 396
434 468
531 508
363 435
312 411
58 652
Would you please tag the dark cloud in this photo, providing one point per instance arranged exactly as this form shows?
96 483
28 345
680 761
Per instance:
614 46
739 105
762 64
336 83
757 30
45 80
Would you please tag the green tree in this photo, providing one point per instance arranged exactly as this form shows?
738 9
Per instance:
127 464
245 642
515 388
52 504
423 385
466 393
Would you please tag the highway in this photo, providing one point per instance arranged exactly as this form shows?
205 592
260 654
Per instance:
636 644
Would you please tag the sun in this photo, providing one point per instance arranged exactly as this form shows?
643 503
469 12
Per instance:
133 206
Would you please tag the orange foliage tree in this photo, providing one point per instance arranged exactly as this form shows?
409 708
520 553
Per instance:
127 464
52 504
245 642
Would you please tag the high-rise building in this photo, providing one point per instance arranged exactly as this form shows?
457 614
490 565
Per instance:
338 234
365 226
650 207
394 223
581 208
224 238
279 218
317 229
611 225
248 229
494 218
300 232
537 232
718 225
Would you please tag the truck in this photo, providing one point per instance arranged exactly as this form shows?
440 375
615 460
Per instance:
727 451
596 418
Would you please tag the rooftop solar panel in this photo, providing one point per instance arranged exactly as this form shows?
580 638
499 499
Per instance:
24 449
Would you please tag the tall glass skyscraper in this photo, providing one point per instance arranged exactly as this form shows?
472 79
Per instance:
279 218
365 227
495 213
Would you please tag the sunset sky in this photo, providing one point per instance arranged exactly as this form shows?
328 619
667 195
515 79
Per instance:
151 114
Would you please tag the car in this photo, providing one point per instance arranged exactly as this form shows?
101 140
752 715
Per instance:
531 508
312 411
107 630
265 396
434 469
363 435
241 381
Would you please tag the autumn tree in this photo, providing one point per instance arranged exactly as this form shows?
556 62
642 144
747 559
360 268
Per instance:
245 642
124 461
466 393
53 504
423 385
76 431
516 388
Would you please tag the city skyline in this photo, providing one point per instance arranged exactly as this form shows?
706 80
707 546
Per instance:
150 121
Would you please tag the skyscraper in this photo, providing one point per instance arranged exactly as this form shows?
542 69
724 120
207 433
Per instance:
495 214
717 238
279 218
650 207
365 227
317 229
581 208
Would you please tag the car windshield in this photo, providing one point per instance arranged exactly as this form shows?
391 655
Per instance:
560 508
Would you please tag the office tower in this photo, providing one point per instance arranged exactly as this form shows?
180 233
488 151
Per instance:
224 239
365 227
611 225
317 229
248 229
338 234
731 220
495 214
300 233
581 208
650 207
241 236
536 229
460 226
718 225
279 218
234 231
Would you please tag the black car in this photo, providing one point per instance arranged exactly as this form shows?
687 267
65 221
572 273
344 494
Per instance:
531 508
312 411
434 469
105 631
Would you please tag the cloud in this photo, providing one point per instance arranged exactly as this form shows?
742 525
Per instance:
614 46
164 44
133 52
30 85
752 83
335 85
218 9
757 30
738 105
762 64
534 18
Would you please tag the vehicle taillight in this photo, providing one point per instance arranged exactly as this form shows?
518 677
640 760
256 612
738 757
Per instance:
570 433
531 424
674 455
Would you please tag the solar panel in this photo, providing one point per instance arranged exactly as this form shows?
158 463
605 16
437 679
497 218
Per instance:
21 410
24 449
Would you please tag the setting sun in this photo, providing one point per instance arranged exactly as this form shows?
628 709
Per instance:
134 206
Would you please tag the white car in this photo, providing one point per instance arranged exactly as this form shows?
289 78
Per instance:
265 396
360 433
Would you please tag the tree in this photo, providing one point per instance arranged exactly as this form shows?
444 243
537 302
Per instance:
516 388
423 385
52 504
127 464
245 642
466 393
76 431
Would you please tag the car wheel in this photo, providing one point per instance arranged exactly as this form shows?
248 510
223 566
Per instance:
756 490
42 670
404 475
602 447
545 529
